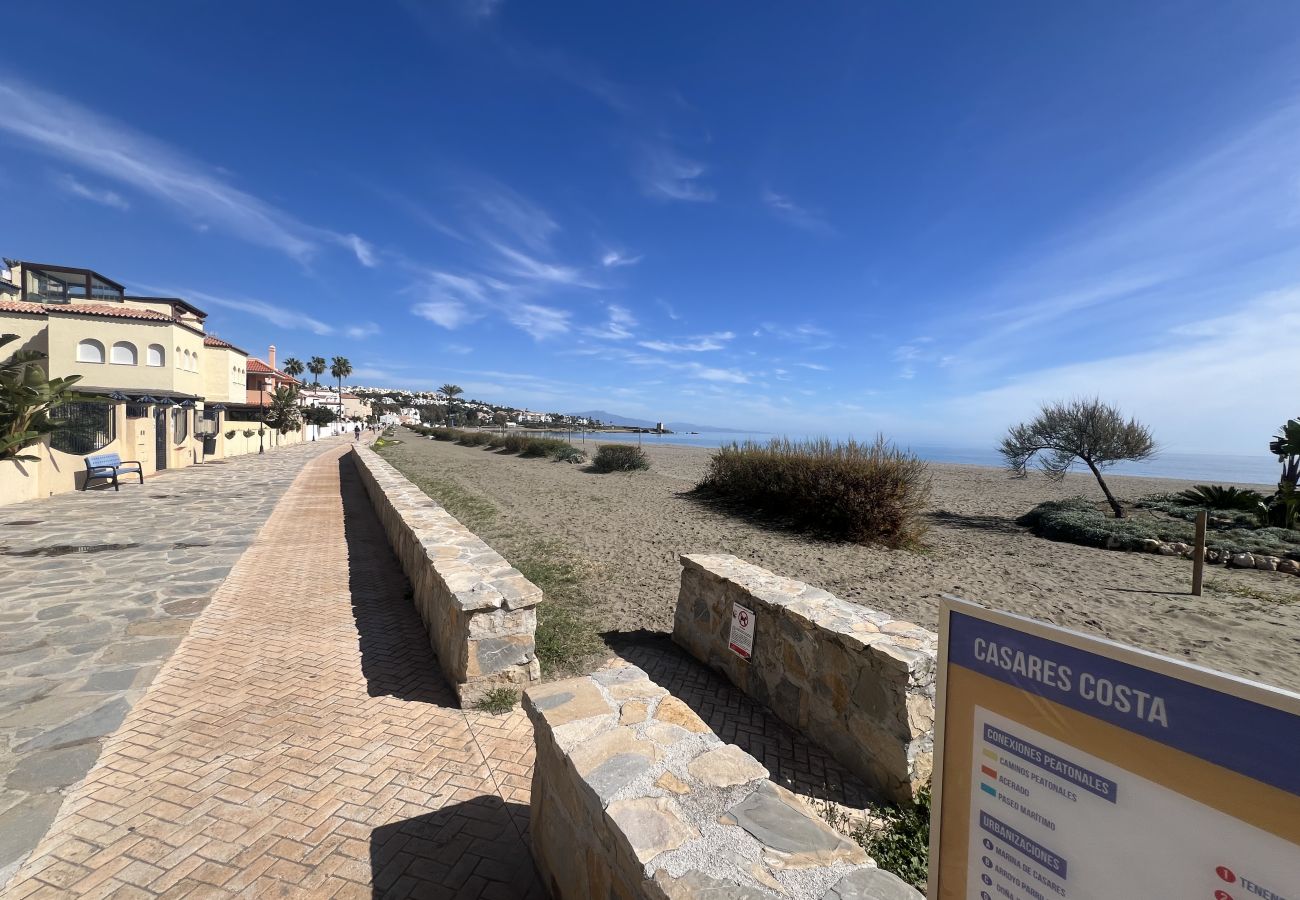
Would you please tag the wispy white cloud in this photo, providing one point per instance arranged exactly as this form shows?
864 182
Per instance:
447 312
362 331
613 259
666 173
792 212
361 248
521 265
698 344
710 373
617 328
816 367
68 131
102 196
507 209
538 320
1223 366
668 309
276 315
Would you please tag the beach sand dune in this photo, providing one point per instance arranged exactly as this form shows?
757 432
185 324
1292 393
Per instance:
626 530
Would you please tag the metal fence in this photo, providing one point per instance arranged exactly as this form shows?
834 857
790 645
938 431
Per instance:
83 427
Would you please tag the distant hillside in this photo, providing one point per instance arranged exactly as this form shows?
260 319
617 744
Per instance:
615 419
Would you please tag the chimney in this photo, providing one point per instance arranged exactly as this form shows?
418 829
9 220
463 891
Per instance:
270 354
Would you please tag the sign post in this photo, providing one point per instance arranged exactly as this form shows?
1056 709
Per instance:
1072 767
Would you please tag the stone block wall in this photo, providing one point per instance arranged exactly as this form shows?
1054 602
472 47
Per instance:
479 611
856 681
634 797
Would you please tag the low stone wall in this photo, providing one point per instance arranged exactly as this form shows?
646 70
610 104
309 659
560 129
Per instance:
634 797
479 611
856 681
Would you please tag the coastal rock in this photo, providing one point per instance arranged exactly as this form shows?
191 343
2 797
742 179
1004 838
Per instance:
1149 545
1168 550
1241 561
1267 563
1289 567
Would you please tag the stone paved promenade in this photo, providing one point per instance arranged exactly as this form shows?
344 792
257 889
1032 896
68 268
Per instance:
300 742
98 589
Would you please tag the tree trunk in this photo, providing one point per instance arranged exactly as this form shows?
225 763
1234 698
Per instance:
1110 498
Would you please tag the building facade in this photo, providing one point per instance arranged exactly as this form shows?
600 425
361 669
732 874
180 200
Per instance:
157 385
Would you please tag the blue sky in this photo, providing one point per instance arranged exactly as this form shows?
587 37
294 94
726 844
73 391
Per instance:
921 219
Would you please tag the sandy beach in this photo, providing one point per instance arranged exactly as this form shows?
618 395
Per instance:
625 532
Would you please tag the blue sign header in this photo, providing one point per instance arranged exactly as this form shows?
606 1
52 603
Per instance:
1255 740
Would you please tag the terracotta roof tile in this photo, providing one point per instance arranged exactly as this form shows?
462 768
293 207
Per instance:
104 309
84 309
211 340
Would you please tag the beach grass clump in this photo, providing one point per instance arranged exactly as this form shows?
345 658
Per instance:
567 453
865 493
498 701
619 458
474 439
541 447
566 639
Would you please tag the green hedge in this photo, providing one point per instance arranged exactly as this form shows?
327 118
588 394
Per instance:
1080 521
523 444
866 493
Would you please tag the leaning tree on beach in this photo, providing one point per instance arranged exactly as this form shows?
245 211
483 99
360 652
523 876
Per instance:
1090 431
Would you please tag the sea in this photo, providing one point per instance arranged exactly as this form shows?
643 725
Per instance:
1209 468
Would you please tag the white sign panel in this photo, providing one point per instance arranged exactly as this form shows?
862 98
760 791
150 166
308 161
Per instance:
742 631
1072 768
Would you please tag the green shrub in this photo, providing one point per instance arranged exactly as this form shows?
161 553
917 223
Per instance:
902 846
444 434
569 454
496 442
619 458
858 492
475 438
1079 521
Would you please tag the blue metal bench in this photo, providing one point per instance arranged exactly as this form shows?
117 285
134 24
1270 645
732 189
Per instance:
107 466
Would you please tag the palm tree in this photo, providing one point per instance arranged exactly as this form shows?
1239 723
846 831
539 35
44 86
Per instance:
341 369
317 368
27 397
449 393
293 367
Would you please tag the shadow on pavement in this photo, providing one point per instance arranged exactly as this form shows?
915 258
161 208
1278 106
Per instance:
470 849
396 658
793 760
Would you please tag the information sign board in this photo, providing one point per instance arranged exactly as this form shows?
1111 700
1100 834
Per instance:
742 631
1072 767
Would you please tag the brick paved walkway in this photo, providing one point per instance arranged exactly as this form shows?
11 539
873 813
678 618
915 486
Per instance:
300 742
99 589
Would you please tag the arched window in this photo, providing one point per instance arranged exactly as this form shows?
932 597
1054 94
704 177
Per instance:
157 355
124 354
90 351
180 360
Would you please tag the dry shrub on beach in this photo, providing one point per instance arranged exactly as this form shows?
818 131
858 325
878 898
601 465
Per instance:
619 458
865 493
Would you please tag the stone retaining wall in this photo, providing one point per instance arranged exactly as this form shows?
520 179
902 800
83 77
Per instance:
634 797
478 610
856 681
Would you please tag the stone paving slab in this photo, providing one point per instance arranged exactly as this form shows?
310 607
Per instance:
301 742
96 589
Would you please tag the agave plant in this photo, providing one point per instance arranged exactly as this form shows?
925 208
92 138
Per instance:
1215 496
27 395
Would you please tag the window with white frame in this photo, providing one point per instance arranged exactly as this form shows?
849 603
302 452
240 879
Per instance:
90 351
157 355
124 354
